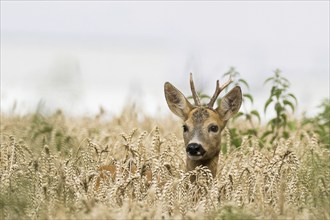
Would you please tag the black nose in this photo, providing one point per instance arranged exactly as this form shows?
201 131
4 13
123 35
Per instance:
195 149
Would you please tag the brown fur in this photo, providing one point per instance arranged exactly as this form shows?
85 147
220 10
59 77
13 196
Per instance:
112 170
198 120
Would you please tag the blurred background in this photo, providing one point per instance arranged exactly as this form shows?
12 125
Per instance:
80 55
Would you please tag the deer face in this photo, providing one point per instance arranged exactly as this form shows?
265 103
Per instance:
201 133
202 125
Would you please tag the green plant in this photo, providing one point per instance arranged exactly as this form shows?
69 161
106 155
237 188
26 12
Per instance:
49 129
250 115
320 124
247 100
282 100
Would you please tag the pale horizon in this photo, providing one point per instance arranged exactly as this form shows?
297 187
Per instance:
78 56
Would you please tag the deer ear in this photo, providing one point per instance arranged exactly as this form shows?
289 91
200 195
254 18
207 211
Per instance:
176 101
230 103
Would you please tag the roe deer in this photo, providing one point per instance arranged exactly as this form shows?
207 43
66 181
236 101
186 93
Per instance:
202 123
112 169
201 130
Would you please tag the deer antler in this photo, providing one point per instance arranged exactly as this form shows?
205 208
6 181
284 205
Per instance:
218 91
193 91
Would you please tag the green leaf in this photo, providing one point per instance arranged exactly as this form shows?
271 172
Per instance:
239 114
224 148
272 122
203 96
218 101
286 81
268 79
252 132
237 142
267 103
278 108
272 140
292 125
277 72
278 93
231 72
272 91
265 134
249 97
286 102
244 82
294 97
227 73
284 117
256 113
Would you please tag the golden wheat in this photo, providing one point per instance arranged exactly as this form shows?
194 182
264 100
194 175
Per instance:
49 169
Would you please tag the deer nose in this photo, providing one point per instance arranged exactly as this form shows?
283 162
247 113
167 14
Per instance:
195 149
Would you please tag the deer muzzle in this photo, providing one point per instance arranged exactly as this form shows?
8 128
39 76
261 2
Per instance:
195 151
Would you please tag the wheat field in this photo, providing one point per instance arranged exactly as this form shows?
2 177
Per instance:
49 168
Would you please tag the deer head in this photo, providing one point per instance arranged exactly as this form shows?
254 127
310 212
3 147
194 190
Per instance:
202 124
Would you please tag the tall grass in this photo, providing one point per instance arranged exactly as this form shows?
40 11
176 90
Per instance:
49 169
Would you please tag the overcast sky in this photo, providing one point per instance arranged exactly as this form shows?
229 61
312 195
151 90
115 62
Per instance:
80 55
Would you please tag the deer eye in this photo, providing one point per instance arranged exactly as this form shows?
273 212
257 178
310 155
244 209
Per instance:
213 128
185 128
